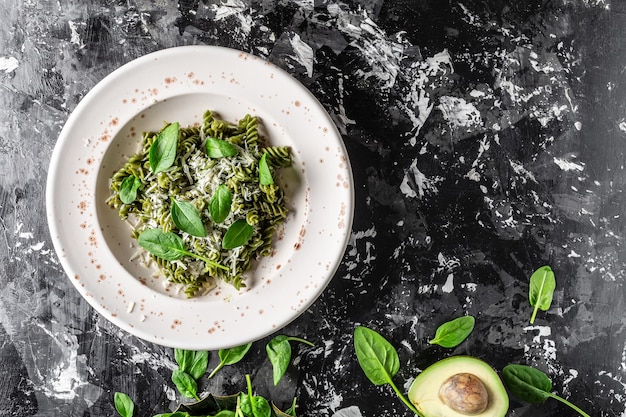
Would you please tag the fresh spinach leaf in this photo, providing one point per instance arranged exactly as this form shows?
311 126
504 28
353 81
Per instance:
184 358
169 246
261 407
450 334
245 404
224 413
185 384
265 173
162 152
218 148
186 218
541 290
279 353
237 234
123 404
531 385
379 360
220 204
192 362
128 189
256 405
230 356
377 357
199 364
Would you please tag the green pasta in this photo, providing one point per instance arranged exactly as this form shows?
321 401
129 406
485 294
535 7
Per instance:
194 177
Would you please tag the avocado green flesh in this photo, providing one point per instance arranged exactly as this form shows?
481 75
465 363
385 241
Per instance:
424 391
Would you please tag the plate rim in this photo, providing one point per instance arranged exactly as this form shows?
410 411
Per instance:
87 101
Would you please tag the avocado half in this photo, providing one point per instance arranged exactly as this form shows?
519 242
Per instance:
459 386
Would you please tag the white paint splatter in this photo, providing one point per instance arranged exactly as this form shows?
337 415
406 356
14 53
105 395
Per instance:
235 8
473 175
416 184
427 289
459 113
448 287
75 36
356 257
64 374
352 411
324 391
383 54
151 359
341 118
523 173
303 53
24 247
447 263
542 331
416 102
566 165
8 64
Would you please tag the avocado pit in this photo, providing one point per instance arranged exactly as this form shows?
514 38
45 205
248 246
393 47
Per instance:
464 393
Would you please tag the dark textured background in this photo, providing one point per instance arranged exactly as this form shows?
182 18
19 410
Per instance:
487 139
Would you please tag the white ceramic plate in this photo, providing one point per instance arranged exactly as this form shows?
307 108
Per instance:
178 84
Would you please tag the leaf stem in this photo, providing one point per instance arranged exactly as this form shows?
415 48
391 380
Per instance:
217 368
564 401
532 318
534 315
249 384
298 339
404 399
202 258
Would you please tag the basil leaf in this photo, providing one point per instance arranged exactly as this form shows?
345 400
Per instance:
185 384
220 204
541 290
527 383
279 353
261 407
174 414
184 358
128 189
377 357
199 364
230 356
218 148
453 332
225 413
123 404
168 246
379 360
245 404
254 405
186 218
162 152
237 234
533 386
265 174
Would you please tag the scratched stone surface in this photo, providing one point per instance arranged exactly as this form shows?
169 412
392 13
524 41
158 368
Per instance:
486 138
